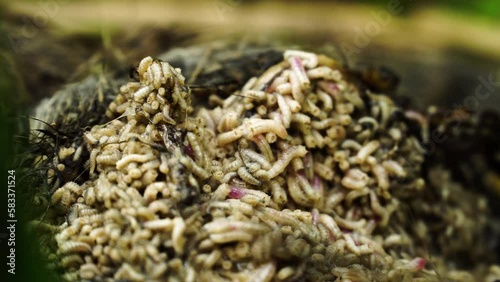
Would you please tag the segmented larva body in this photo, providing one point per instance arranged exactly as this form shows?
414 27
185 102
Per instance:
70 247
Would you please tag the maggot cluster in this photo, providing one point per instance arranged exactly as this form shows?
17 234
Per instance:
297 176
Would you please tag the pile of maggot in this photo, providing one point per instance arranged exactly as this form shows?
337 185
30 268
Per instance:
293 177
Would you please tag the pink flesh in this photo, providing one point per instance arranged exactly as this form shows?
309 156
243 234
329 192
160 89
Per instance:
236 193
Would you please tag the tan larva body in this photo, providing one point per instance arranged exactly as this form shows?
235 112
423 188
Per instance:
153 189
355 179
394 168
232 236
264 147
247 176
195 168
128 273
286 157
224 225
367 150
197 148
278 193
138 158
179 226
358 250
108 159
71 261
70 247
250 128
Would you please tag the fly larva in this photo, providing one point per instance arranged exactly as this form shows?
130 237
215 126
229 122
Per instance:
233 166
285 273
252 127
223 225
127 273
252 156
354 194
109 159
367 150
232 236
381 176
310 141
312 193
355 179
264 147
73 188
286 112
331 225
159 207
194 168
250 196
218 175
90 139
358 250
164 167
151 191
278 193
323 171
301 118
89 196
268 75
150 165
284 88
71 247
92 160
326 100
89 271
252 167
144 65
264 272
394 168
66 233
324 124
99 234
296 192
256 95
299 71
158 76
138 158
309 59
197 149
336 132
65 152
228 122
228 176
310 107
142 93
296 88
271 101
271 137
135 173
248 177
325 73
57 195
285 158
71 261
295 106
149 177
350 224
212 259
178 239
